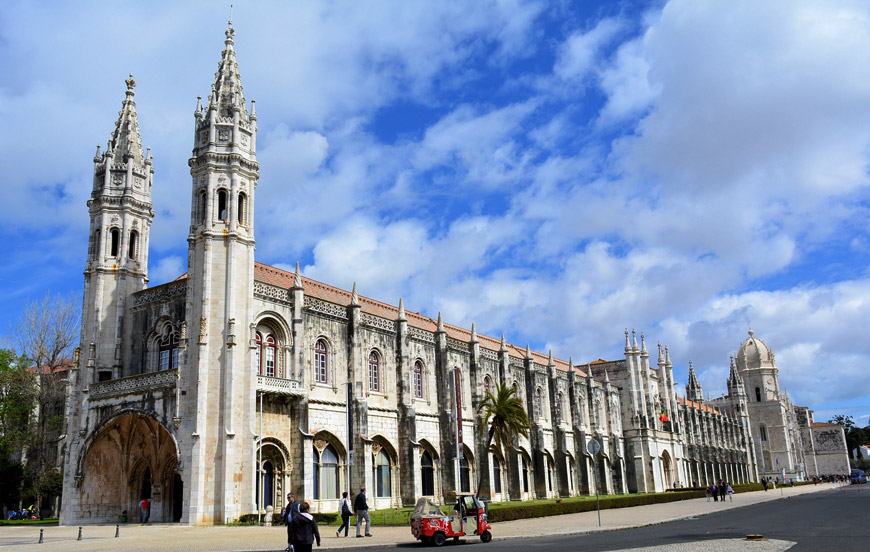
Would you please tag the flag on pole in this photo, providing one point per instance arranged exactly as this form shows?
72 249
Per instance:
664 416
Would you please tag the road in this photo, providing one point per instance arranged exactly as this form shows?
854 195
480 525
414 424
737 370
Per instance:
826 521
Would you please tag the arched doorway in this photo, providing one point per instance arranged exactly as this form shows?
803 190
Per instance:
667 470
129 458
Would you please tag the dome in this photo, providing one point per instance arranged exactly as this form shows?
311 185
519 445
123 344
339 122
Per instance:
754 353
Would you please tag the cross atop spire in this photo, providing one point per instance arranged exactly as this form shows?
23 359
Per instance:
125 141
227 93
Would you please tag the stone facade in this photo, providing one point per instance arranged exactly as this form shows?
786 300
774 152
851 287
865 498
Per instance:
216 394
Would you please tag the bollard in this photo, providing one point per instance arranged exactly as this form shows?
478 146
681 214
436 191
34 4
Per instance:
40 535
117 531
80 534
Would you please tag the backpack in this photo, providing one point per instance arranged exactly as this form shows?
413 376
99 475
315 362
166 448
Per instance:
345 509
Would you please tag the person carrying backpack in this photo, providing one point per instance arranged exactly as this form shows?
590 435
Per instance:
344 509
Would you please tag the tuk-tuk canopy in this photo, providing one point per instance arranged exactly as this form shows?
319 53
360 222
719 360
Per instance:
425 508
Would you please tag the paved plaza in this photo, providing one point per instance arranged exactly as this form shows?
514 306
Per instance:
248 538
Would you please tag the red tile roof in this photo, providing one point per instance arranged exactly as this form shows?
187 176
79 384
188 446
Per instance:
698 406
284 279
823 424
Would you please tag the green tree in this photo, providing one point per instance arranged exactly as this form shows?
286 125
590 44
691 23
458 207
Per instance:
45 334
504 417
18 394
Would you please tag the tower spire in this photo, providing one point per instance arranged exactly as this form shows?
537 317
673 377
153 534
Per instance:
125 142
693 387
227 93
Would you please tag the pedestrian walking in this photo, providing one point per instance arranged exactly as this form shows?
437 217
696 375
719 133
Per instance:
764 484
290 513
721 491
303 530
707 492
730 493
143 505
344 508
362 512
714 490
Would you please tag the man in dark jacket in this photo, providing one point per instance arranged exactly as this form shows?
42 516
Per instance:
290 513
303 530
362 512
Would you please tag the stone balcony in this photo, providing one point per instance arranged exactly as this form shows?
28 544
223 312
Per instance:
278 386
134 385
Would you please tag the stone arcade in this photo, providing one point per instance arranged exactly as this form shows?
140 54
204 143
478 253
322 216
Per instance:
174 382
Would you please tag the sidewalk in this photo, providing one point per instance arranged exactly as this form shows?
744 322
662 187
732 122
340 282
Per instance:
251 538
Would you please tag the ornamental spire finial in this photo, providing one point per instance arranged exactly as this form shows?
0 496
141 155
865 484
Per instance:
354 296
401 309
440 323
297 277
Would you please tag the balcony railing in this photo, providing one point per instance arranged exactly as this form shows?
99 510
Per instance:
130 385
278 386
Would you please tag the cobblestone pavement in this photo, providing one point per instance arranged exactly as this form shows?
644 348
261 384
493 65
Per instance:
248 538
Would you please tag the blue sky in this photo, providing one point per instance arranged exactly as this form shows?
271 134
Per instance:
557 171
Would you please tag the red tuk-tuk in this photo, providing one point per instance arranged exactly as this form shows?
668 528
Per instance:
430 525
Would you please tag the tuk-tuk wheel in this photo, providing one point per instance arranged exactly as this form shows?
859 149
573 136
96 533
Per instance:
485 537
438 539
425 540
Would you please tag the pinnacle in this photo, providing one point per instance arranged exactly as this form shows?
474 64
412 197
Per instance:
227 93
125 141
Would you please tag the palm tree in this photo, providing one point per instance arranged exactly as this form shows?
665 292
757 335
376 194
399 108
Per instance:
503 417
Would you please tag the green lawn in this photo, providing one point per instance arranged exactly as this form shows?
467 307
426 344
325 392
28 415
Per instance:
46 521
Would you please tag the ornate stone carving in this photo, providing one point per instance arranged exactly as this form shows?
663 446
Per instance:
378 323
142 383
272 293
376 448
457 345
160 293
320 445
486 353
324 307
203 324
421 335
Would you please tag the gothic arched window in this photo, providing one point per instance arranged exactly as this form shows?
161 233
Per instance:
427 474
270 356
525 473
243 205
320 361
418 380
763 431
383 480
539 403
222 205
561 407
487 384
496 474
326 473
758 394
258 355
374 372
115 241
168 350
202 207
134 245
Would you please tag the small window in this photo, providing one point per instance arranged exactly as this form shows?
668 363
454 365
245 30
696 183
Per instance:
243 205
758 394
763 431
168 351
561 407
487 384
202 206
539 403
115 239
134 245
320 361
418 379
374 372
222 205
95 246
270 356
